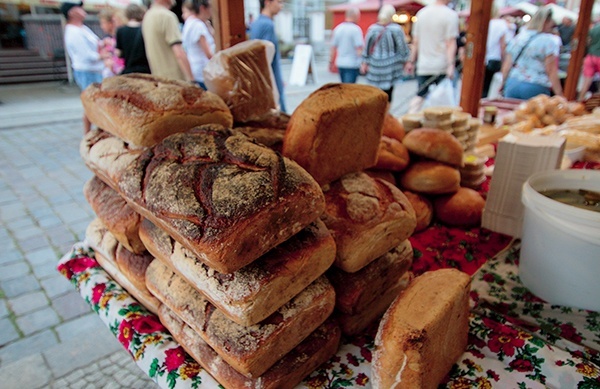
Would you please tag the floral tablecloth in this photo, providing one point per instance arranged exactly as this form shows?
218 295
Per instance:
516 340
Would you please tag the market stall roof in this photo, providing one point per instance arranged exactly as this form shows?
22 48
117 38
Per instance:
374 5
558 12
88 4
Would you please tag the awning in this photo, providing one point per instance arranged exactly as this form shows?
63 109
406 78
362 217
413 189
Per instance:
374 5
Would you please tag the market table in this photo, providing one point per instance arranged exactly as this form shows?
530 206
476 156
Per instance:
515 339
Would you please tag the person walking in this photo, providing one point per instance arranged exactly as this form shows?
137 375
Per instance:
81 45
130 42
162 41
386 52
531 64
433 47
264 28
198 42
109 22
591 62
346 47
495 49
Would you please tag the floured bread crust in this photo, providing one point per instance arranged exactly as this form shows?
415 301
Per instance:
233 200
143 109
254 292
424 331
251 350
367 217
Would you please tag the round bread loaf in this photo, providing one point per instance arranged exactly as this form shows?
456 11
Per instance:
393 128
423 209
385 175
463 208
435 144
392 155
430 177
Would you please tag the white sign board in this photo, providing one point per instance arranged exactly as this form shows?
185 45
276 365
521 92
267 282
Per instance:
303 65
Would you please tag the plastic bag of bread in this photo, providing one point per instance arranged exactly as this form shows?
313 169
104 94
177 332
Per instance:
241 75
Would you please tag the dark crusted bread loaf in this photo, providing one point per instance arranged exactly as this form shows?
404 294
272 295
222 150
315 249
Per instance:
106 155
336 130
287 372
143 109
122 221
358 322
424 331
220 194
251 350
367 217
105 247
354 292
254 292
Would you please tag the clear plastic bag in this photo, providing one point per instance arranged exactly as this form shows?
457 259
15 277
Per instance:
441 95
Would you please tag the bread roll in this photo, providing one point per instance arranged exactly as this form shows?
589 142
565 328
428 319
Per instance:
393 128
336 130
392 155
254 292
354 324
133 266
234 199
438 113
430 177
354 292
367 218
435 144
423 209
288 372
251 350
143 109
241 75
122 221
463 208
423 332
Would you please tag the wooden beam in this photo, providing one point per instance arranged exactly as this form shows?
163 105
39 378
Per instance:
578 46
229 22
474 63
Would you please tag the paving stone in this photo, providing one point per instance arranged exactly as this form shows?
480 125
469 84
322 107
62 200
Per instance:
41 256
34 244
8 332
12 211
60 384
37 321
27 346
3 309
56 286
28 373
23 222
48 221
70 306
81 326
29 302
14 270
9 254
45 270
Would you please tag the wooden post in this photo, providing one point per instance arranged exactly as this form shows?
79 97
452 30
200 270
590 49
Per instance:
578 45
230 25
474 63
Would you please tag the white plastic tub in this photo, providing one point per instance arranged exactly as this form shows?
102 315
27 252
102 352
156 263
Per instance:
560 250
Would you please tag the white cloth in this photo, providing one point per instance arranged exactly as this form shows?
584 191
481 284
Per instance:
435 25
497 29
193 30
82 46
347 38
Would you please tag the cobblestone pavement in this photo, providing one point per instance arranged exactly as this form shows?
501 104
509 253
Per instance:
49 337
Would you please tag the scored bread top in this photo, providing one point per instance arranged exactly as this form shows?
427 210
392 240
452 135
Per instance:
220 194
143 109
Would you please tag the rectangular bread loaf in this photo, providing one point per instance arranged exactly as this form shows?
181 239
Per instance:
254 292
122 221
105 247
233 201
287 372
251 350
367 217
354 292
143 109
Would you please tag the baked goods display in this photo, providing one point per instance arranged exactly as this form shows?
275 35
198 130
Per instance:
463 208
241 75
336 130
423 332
435 144
541 111
143 109
430 177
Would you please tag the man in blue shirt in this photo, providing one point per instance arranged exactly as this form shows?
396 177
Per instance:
264 28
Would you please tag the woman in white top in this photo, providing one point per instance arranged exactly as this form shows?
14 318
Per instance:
198 41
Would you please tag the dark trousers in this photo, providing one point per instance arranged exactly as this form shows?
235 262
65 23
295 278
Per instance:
491 68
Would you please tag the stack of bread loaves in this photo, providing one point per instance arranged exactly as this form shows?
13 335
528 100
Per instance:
236 251
335 134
